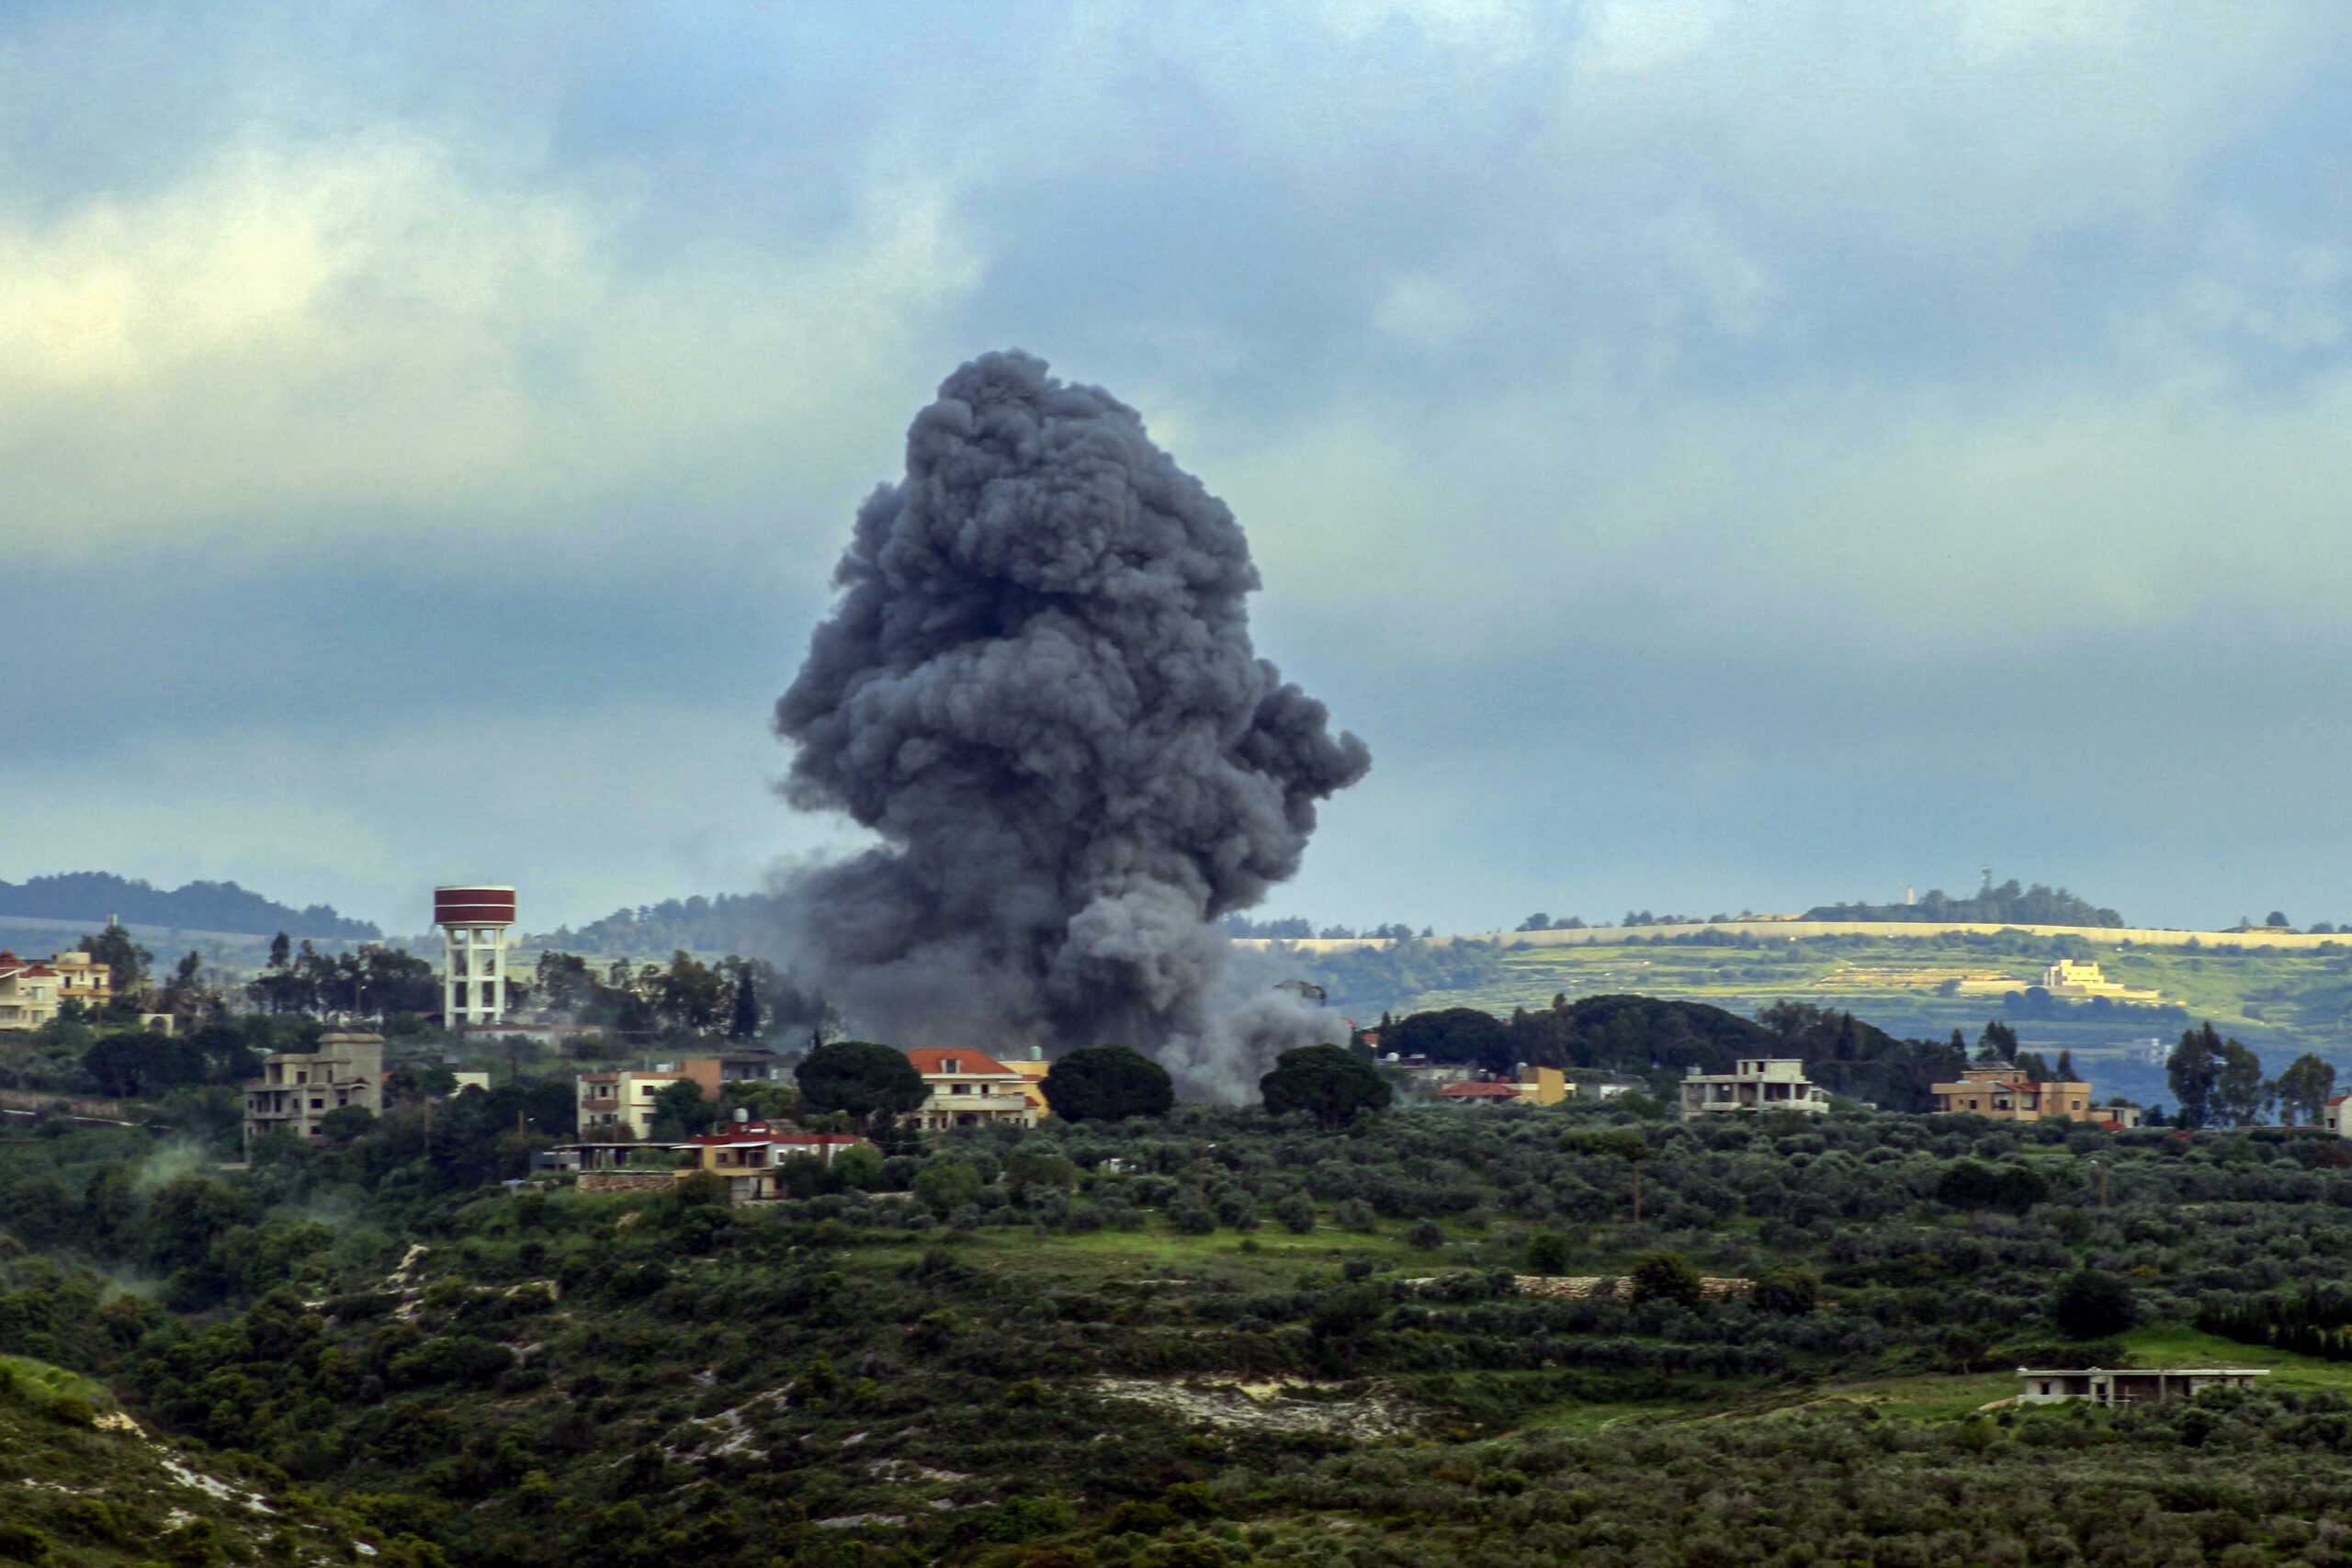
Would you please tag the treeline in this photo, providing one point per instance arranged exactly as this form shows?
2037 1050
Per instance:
2218 1082
2008 904
375 980
1299 929
2316 1321
731 922
99 896
1659 1040
741 997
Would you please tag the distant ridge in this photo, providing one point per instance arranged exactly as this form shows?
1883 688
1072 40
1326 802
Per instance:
2008 904
95 895
731 922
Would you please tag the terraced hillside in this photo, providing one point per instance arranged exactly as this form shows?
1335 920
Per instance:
1210 1339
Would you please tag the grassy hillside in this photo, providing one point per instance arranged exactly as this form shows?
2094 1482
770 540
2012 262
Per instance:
1207 1339
2281 1003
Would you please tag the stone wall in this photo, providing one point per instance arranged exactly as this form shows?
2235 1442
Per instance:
626 1181
1571 1288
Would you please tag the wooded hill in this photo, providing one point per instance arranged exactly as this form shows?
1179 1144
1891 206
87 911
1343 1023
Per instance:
1659 1040
1040 1361
96 897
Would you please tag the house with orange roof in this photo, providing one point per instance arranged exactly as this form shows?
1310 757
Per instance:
33 989
747 1154
970 1088
1530 1085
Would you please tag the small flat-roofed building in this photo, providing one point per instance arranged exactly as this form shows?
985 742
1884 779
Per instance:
2127 1386
298 1088
1997 1093
734 1067
1755 1083
619 1104
2078 977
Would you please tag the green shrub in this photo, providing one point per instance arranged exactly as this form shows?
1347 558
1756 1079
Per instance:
947 1185
2093 1305
1025 1518
1793 1291
1550 1253
1665 1276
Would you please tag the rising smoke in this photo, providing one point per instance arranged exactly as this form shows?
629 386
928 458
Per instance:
1039 688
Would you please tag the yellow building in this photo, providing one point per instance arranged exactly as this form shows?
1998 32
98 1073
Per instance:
610 1102
1531 1086
1034 1070
33 989
1542 1086
1998 1094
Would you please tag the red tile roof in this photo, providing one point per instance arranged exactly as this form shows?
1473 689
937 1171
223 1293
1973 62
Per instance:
761 1133
931 1063
1479 1091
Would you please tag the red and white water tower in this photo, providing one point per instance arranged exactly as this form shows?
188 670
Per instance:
473 922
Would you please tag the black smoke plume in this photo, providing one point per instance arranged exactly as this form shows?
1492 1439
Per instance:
1039 688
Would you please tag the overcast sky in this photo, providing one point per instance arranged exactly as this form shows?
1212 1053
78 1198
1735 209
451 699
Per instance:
1718 454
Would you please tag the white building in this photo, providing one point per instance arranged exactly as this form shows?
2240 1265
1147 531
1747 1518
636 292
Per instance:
970 1088
2148 1385
1756 1083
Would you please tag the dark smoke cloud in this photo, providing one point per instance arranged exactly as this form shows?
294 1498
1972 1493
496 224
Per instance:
1039 688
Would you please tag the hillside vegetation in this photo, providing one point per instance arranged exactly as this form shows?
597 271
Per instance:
1220 1339
81 1482
2281 1003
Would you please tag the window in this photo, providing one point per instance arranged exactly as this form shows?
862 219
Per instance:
960 1089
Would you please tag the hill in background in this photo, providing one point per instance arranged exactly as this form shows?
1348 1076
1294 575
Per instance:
2007 904
732 922
98 896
